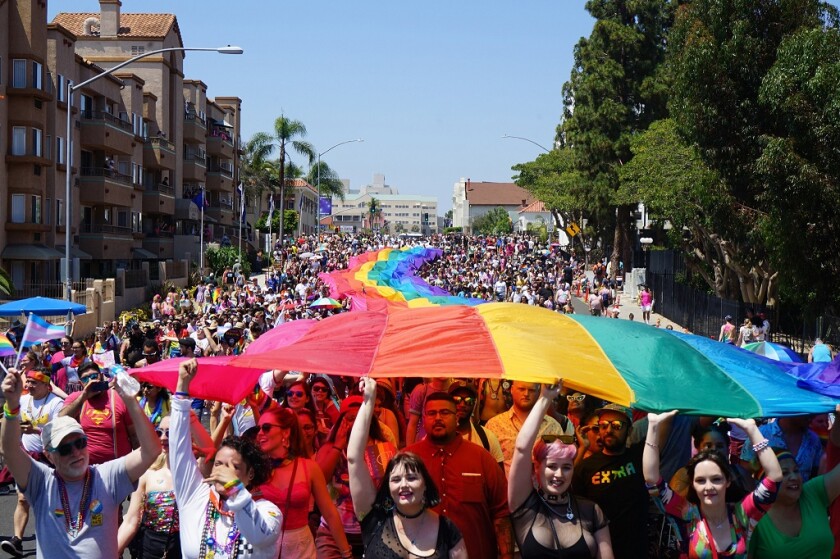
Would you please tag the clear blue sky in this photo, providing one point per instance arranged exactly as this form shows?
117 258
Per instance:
430 86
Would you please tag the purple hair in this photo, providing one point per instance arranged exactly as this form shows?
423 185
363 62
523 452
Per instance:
555 449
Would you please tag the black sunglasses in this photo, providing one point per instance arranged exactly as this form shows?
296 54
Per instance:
565 439
320 389
67 448
297 393
266 427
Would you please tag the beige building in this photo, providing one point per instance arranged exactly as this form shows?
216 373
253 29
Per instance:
146 142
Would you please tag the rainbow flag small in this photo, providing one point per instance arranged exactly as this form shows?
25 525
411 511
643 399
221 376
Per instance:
6 346
217 293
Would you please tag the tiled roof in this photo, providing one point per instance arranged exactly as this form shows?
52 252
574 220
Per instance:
498 194
150 26
536 207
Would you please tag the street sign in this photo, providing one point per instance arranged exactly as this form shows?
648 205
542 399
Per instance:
572 229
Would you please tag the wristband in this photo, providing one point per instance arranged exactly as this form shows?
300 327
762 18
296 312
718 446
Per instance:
761 446
9 413
231 491
182 395
231 483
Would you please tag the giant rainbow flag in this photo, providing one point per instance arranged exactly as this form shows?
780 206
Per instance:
387 280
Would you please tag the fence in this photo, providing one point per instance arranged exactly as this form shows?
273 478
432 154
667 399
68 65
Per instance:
53 289
136 278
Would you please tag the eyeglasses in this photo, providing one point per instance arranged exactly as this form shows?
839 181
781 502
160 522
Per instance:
295 393
576 397
445 414
587 428
565 439
67 448
162 432
464 399
615 425
266 427
320 389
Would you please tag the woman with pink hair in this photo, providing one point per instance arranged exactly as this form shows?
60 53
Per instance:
548 521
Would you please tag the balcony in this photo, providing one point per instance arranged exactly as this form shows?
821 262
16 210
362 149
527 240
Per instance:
104 131
221 211
220 177
106 242
104 187
159 198
195 166
195 129
159 153
220 146
162 247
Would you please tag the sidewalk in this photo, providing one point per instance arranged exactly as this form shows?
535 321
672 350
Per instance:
627 306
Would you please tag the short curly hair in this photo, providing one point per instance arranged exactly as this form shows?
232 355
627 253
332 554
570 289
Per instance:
254 458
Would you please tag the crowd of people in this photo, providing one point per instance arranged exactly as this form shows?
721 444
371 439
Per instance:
322 466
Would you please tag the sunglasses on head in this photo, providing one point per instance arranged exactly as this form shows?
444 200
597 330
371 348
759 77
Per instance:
615 425
296 393
565 439
464 399
576 397
67 448
266 427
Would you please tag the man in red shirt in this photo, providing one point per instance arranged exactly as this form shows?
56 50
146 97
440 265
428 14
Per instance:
103 416
473 489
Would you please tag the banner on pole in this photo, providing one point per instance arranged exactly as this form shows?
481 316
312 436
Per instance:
326 205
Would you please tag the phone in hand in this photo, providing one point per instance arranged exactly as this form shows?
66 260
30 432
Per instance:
99 386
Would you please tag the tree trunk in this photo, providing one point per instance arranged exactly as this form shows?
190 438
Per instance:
282 190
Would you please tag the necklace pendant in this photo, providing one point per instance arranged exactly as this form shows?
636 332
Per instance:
570 515
494 396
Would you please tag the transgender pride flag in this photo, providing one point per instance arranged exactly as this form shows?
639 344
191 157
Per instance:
39 331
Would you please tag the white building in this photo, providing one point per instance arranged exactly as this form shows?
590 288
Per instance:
474 199
401 213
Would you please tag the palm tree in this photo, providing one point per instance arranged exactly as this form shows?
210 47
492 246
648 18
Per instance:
331 185
284 137
375 210
6 285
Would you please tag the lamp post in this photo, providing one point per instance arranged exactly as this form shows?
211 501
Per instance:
68 292
318 209
542 147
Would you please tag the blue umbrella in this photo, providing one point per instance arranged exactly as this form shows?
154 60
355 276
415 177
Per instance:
42 306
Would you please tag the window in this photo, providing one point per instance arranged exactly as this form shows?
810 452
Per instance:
37 142
87 106
59 212
60 156
122 219
18 208
136 222
18 73
35 208
62 88
37 75
18 140
137 50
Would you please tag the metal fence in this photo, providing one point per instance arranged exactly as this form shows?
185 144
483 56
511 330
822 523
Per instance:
53 289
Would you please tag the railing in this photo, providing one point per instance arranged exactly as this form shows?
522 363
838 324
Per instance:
109 174
108 118
193 117
162 143
136 278
223 204
155 186
47 289
105 228
198 156
223 169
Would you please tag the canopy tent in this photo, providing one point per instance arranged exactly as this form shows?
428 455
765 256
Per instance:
41 306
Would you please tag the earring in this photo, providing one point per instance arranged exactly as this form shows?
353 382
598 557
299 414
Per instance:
388 504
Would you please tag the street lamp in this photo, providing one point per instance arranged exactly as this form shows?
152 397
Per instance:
68 292
318 211
542 147
646 242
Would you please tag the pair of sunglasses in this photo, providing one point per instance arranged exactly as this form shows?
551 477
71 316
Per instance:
469 400
296 393
565 439
320 389
67 448
162 432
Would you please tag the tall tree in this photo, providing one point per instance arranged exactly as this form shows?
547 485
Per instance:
612 94
330 184
287 134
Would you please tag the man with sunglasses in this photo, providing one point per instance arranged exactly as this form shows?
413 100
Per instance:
506 425
613 479
88 497
104 417
466 396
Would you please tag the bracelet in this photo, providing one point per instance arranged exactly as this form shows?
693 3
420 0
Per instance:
183 394
9 411
761 446
10 416
232 491
231 483
652 445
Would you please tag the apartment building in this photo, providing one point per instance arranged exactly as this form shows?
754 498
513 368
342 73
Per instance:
146 142
399 213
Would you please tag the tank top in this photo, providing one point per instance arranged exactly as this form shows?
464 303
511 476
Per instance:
296 511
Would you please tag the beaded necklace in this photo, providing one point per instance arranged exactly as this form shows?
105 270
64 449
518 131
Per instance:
209 547
74 525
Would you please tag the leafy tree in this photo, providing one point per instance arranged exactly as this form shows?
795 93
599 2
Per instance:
495 222
613 93
331 184
226 257
286 135
6 285
290 222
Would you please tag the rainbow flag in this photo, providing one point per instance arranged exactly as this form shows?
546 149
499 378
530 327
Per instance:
217 294
39 331
387 280
6 346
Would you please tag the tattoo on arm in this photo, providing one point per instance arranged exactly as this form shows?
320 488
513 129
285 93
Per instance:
504 536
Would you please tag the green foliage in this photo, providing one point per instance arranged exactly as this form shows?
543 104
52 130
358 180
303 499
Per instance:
448 230
290 222
217 259
6 285
495 222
